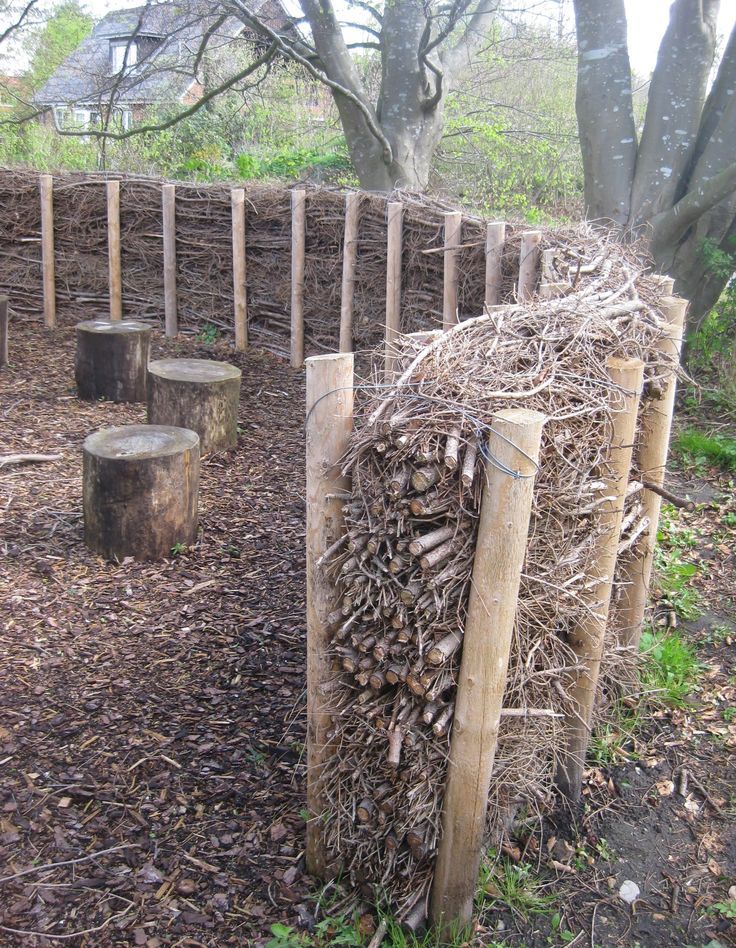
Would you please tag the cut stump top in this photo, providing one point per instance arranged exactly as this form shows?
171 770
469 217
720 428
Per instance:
194 370
136 442
114 326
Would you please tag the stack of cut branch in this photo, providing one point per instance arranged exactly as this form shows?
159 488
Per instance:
404 562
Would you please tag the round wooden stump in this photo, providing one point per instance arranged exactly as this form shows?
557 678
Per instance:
196 394
112 358
140 490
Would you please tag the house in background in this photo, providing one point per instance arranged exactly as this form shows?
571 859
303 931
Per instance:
136 59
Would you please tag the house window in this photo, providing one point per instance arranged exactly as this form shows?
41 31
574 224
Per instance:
85 118
123 55
127 119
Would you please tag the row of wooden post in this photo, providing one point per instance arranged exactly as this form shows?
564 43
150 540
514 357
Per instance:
502 538
529 264
114 256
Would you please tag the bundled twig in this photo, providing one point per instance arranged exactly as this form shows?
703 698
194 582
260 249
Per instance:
404 569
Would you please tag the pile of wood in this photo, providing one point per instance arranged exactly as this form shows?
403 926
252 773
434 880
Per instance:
404 562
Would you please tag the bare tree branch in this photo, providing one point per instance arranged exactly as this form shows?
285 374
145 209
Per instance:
475 32
326 18
669 226
209 33
368 7
22 17
211 94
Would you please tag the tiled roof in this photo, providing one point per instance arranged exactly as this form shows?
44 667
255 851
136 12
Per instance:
164 75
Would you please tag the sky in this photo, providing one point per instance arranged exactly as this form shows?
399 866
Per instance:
647 21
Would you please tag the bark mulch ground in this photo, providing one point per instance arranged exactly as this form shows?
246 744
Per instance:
151 714
152 725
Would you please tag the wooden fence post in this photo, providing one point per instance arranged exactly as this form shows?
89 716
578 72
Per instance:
664 282
654 439
528 264
112 189
328 427
349 258
502 539
587 638
3 331
168 210
549 288
46 185
453 232
495 238
298 243
240 301
395 210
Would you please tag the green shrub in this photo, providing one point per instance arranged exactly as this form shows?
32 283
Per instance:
703 450
290 163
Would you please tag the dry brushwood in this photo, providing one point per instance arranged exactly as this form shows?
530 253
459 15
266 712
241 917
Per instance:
404 571
204 257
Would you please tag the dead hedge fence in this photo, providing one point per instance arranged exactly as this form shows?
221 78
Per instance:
480 536
480 524
293 270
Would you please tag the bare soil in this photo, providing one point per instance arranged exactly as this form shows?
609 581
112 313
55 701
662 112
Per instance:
152 725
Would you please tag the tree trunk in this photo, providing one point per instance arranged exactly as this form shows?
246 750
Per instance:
678 188
140 490
112 360
604 88
674 108
418 70
199 395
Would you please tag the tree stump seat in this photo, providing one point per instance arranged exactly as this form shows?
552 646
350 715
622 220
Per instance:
112 359
197 394
141 485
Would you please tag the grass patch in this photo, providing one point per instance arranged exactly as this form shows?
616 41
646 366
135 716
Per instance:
673 574
673 577
514 887
701 450
670 669
615 740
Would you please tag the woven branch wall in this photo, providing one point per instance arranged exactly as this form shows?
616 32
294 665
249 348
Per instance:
204 257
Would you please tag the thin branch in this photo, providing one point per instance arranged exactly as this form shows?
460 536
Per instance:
457 11
434 100
291 53
368 7
23 16
474 33
185 113
67 862
208 34
86 931
361 26
6 459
